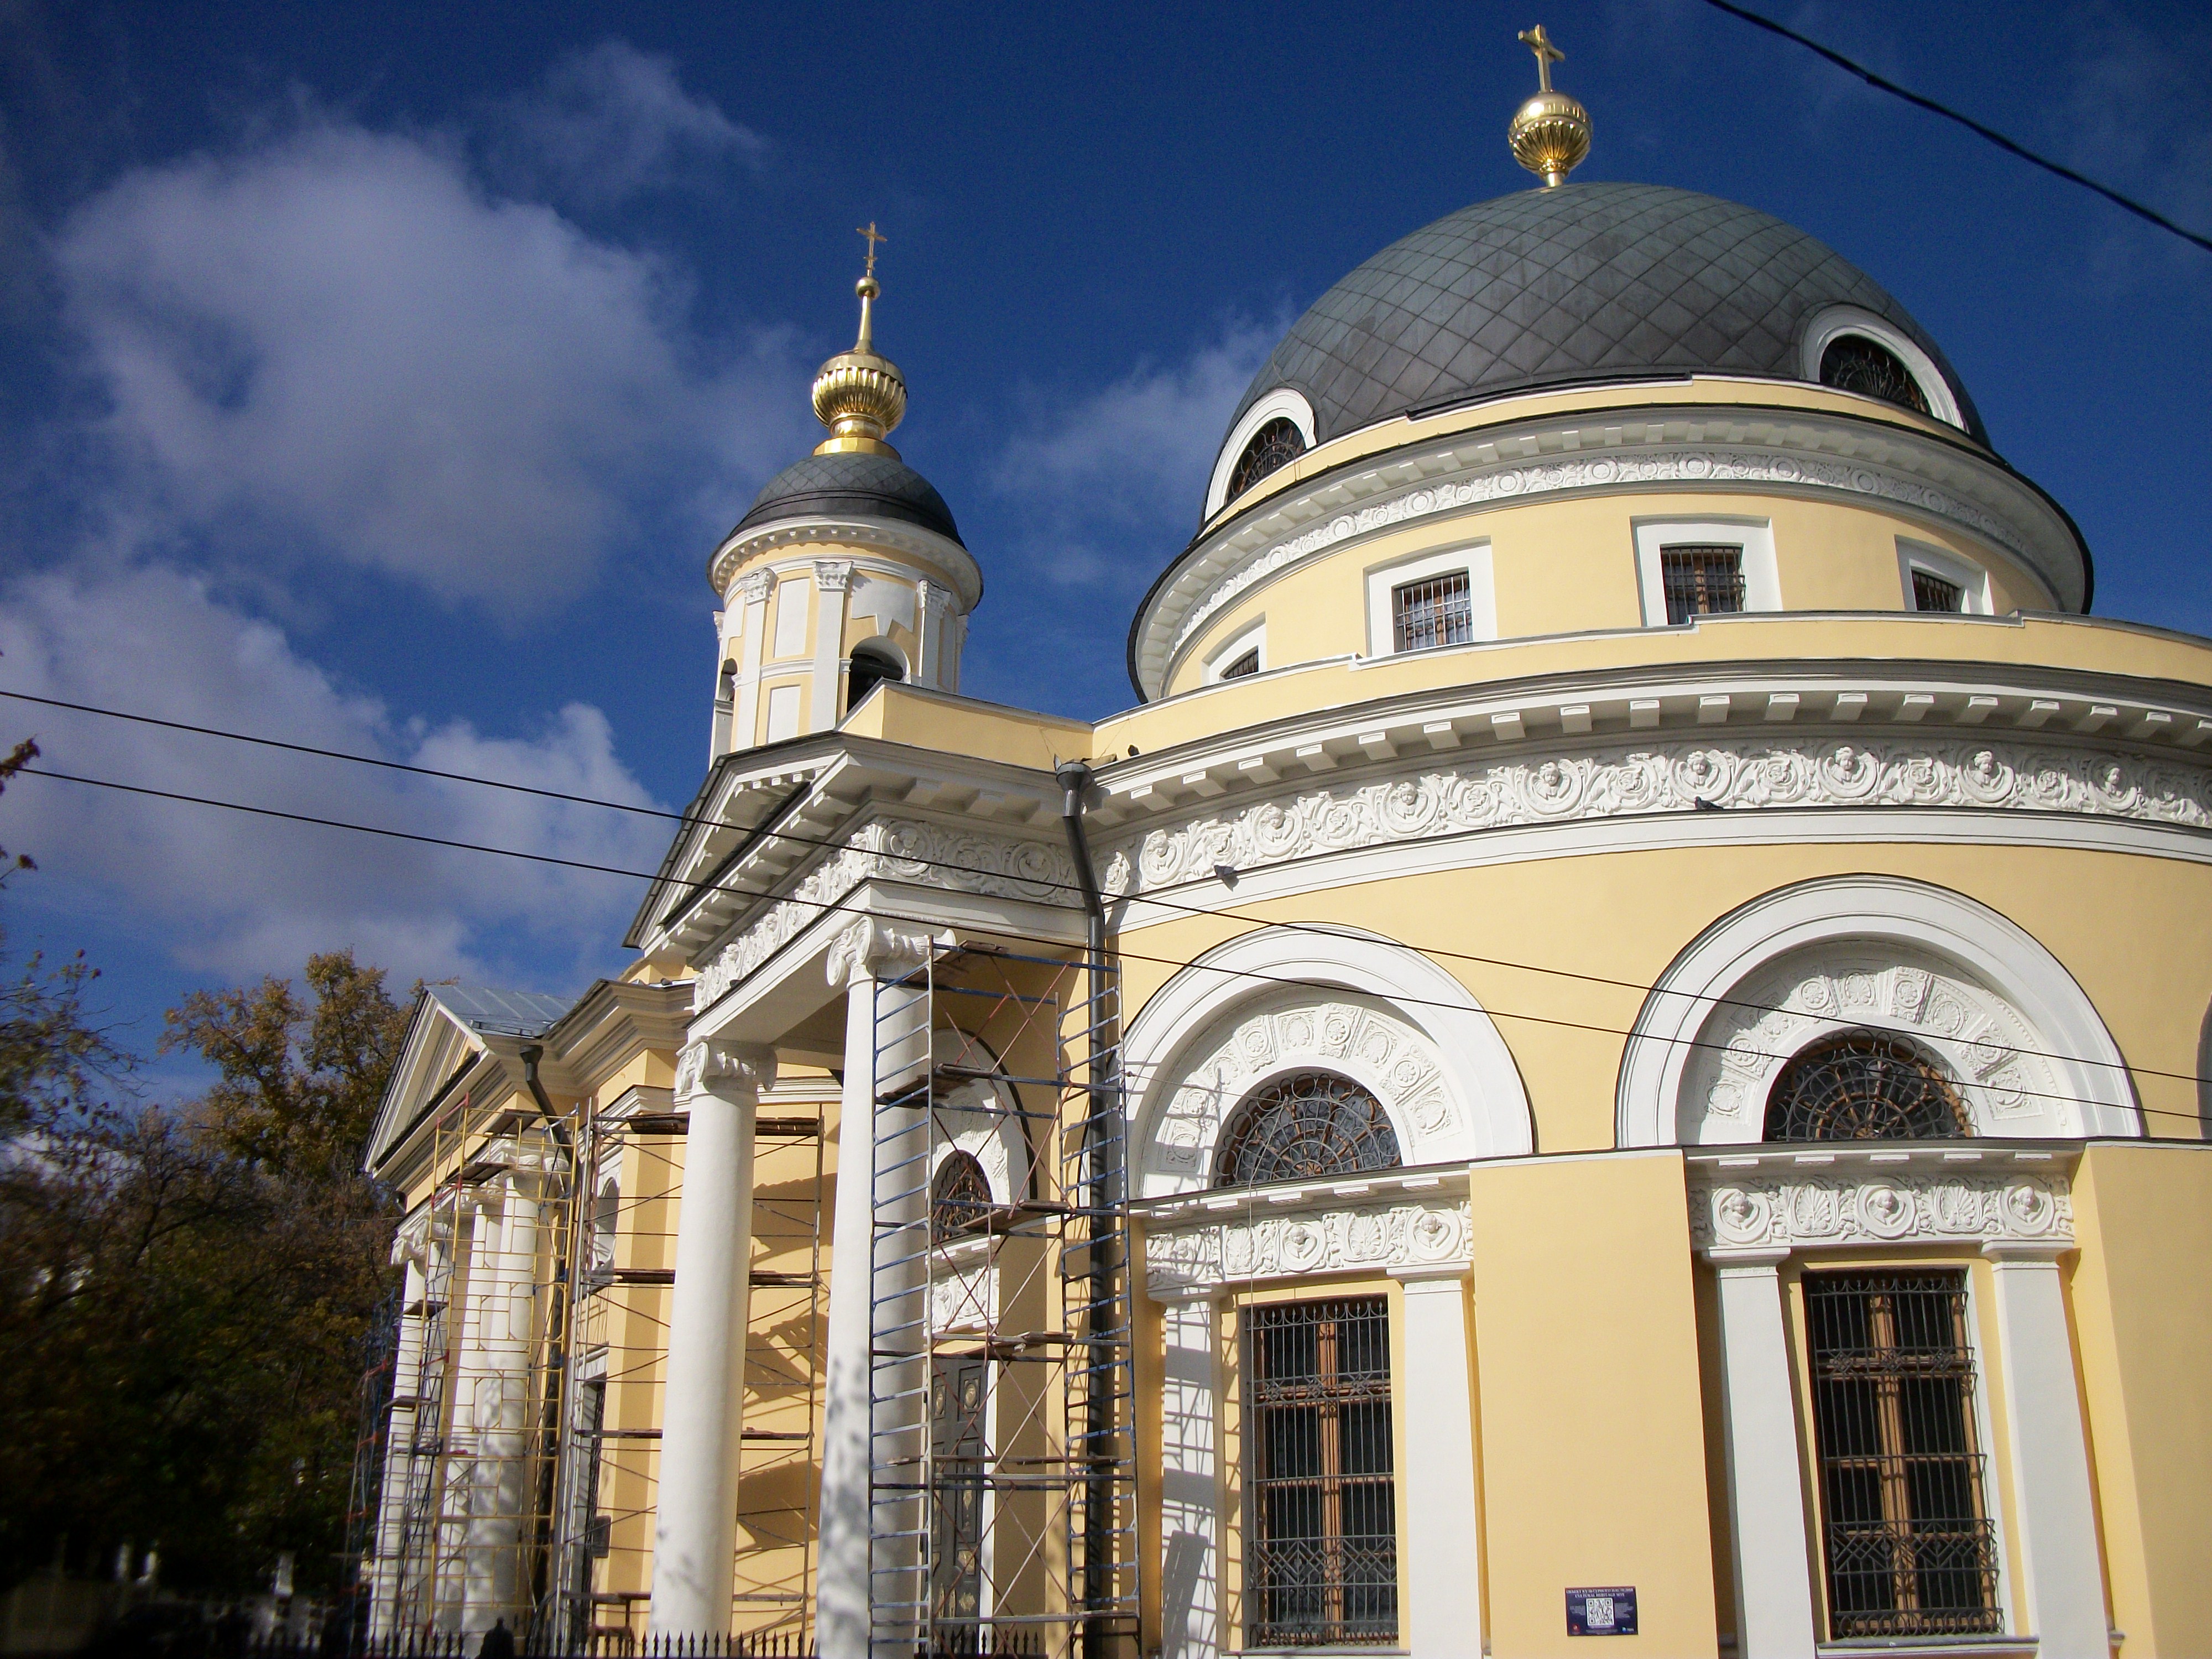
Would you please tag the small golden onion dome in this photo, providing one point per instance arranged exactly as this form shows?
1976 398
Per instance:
859 395
1550 133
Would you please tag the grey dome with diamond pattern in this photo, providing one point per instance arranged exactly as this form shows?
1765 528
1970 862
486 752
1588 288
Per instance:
1581 283
853 485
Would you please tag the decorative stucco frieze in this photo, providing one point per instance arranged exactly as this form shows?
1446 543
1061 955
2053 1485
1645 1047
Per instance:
1703 465
901 849
1625 780
963 1287
1243 1247
1791 1212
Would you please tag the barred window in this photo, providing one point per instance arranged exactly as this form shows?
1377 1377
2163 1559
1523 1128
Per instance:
1245 665
1273 447
1905 1526
1306 1125
1437 611
1865 1085
1701 582
1934 593
1854 364
959 1196
1320 1554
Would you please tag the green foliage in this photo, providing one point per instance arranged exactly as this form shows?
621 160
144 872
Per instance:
186 1292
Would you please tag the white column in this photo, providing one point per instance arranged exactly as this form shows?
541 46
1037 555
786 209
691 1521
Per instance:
1190 1473
1766 1491
457 1480
2060 1566
866 954
752 591
399 1439
703 1408
501 1405
832 577
1443 1515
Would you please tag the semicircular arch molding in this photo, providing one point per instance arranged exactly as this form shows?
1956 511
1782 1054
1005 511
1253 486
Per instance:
2030 1053
1279 1000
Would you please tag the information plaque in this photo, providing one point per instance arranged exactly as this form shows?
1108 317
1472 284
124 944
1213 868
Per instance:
1602 1611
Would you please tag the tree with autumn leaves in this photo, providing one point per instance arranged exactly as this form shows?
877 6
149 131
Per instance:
187 1290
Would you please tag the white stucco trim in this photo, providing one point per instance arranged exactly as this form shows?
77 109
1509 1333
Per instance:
1827 324
1851 913
1281 402
1762 580
1252 637
1971 579
1384 580
1287 969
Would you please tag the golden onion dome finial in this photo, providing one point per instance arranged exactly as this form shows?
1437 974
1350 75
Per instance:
859 395
1550 133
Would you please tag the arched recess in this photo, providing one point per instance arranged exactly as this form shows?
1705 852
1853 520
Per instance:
980 1117
1384 1016
2027 1049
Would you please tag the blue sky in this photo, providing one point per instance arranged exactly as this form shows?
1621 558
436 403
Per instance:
381 376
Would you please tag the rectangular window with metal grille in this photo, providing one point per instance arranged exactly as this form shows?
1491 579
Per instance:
1934 593
1701 582
1435 611
1905 1526
1321 1558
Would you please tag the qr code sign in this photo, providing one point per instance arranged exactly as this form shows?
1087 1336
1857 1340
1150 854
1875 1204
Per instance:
1597 1612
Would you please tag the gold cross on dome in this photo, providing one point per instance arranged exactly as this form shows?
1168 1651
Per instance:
1547 54
874 236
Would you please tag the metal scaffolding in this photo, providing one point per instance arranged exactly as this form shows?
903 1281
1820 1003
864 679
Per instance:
1002 1403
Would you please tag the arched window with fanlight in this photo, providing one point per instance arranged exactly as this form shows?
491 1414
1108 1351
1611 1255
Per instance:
959 1196
1307 1125
871 665
1865 1085
1273 447
1852 362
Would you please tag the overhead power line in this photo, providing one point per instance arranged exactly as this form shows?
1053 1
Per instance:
1967 121
838 906
794 837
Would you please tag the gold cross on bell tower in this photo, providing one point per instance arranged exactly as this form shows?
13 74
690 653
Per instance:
1546 55
875 236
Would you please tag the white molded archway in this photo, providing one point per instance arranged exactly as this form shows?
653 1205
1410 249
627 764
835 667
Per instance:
2029 1049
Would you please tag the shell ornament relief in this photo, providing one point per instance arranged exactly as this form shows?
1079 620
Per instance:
1387 1053
1621 780
1989 1046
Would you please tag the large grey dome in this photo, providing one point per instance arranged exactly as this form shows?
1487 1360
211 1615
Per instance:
853 485
1580 283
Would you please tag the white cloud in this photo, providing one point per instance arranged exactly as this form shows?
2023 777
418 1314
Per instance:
337 345
238 894
1134 456
613 122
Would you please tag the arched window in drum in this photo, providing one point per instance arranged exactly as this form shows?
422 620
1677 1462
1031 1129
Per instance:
959 1196
1306 1126
1865 1085
1273 447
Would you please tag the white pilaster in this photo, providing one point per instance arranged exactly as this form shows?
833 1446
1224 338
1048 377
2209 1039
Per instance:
936 601
703 1410
1443 1513
880 1049
832 579
2060 1568
751 593
1190 1474
1766 1493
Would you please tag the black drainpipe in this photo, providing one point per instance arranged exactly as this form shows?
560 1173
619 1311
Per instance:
1103 1149
556 1323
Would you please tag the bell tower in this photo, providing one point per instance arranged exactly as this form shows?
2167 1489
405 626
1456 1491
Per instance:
847 570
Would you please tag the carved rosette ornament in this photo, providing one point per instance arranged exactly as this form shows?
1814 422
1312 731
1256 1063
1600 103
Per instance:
1365 1238
1793 1213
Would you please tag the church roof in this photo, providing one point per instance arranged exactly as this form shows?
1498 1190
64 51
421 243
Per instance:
1574 284
855 485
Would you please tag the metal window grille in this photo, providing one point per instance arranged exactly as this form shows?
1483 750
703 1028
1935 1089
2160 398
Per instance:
1934 593
1321 1543
1273 447
1909 1545
1305 1125
1438 611
959 1195
1701 582
1854 364
1865 1085
1247 664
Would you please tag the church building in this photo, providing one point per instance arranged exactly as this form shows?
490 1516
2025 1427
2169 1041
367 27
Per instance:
1613 1048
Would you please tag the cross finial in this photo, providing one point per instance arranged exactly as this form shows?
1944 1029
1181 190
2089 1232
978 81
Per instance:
874 236
1547 54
